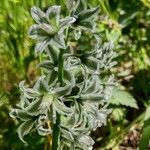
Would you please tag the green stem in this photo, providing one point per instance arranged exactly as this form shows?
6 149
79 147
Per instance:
56 129
39 3
60 67
40 60
56 133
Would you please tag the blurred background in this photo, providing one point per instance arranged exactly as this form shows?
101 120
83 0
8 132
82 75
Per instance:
127 24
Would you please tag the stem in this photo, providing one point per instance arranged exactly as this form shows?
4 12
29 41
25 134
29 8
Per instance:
40 60
60 67
56 129
56 133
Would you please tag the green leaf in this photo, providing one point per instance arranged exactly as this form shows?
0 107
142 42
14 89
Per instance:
147 114
145 136
121 97
24 129
113 36
107 9
146 3
88 14
81 5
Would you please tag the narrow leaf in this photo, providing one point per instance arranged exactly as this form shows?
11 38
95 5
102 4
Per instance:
88 14
145 136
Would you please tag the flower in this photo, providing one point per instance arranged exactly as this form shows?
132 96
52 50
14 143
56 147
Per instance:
49 28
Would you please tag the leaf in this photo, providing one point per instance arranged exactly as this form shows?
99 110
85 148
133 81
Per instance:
127 18
113 36
81 5
145 136
107 9
121 97
146 3
88 14
147 113
24 129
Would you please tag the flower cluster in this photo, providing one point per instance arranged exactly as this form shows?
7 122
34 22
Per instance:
81 97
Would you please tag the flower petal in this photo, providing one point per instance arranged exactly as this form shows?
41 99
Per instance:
53 14
38 15
41 45
66 22
59 41
25 128
35 32
48 28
